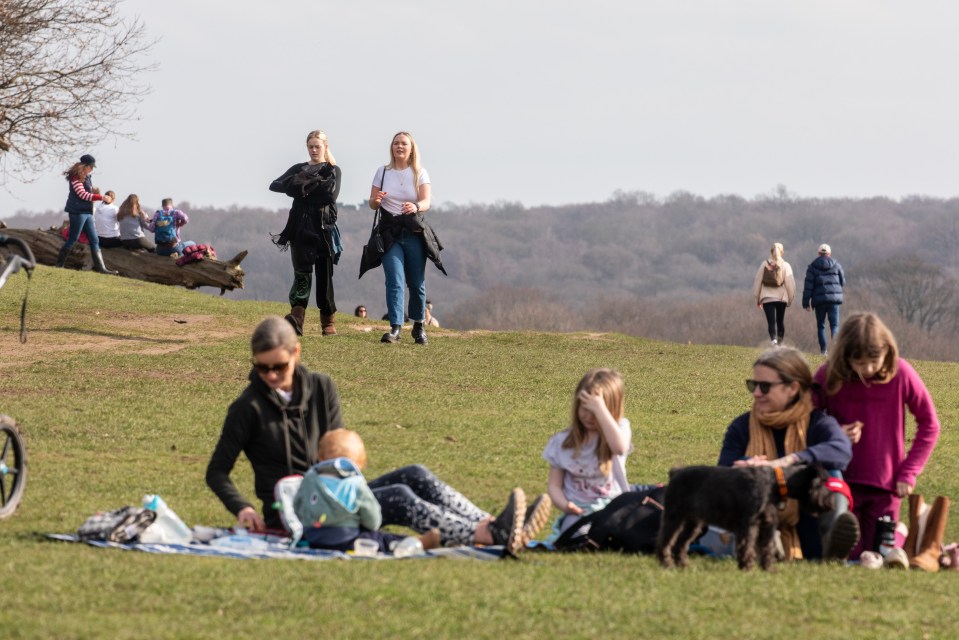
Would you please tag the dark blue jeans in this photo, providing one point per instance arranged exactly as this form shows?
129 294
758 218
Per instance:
82 223
824 311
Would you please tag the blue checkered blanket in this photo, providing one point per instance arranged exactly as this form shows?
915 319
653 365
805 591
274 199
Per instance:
280 551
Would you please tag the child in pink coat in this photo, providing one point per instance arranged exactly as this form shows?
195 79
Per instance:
867 387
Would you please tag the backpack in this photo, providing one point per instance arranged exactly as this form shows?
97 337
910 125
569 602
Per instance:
164 228
773 277
629 523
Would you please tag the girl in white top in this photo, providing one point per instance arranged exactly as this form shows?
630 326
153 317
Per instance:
588 460
401 190
774 288
105 221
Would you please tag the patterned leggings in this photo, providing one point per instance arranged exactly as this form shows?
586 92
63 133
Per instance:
413 497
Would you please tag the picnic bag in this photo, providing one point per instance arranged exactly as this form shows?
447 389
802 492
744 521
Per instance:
629 523
773 277
123 525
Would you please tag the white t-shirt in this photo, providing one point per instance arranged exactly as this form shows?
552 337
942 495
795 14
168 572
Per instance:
398 186
584 482
105 220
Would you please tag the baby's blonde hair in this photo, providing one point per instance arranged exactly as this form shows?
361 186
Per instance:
343 443
610 383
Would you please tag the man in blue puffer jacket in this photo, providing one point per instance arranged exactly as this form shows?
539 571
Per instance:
823 292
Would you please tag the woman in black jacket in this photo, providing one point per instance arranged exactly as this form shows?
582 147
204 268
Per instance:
310 230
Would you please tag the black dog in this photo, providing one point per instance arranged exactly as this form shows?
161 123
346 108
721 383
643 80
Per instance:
742 500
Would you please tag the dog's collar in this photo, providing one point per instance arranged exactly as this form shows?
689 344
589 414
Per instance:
781 481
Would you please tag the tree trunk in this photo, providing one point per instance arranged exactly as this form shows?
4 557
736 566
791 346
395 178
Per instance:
140 264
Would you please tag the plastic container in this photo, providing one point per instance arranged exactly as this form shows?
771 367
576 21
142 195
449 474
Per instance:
365 547
409 546
240 540
167 528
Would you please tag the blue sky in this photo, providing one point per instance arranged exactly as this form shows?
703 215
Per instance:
540 102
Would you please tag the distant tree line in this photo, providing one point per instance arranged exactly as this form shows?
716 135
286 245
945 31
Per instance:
679 268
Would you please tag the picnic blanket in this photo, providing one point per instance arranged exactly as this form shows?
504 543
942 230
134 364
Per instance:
275 551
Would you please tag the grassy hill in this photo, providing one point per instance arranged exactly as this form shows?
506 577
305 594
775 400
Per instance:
121 391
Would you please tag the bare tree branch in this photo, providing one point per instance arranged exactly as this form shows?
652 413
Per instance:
70 75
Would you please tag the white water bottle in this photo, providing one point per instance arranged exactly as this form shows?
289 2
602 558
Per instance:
408 546
167 528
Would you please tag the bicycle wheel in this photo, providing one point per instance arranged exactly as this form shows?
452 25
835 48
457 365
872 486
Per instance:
13 466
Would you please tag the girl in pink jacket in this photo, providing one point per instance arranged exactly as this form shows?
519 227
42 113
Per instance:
867 387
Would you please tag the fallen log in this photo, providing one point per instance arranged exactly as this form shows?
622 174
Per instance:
139 264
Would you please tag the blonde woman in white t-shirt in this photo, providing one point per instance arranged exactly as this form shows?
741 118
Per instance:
401 190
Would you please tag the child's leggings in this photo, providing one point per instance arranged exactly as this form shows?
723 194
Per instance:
413 497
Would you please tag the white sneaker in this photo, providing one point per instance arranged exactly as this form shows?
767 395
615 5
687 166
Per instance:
896 559
774 342
870 560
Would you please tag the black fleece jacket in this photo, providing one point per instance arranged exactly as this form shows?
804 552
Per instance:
279 439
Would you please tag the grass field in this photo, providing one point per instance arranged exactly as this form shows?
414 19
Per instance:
121 391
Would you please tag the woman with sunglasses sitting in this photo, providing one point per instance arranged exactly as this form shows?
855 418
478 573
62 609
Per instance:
783 429
277 422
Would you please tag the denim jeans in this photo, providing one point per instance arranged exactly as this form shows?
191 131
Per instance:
83 223
824 311
404 264
169 251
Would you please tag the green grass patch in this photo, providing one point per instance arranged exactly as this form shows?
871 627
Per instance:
121 391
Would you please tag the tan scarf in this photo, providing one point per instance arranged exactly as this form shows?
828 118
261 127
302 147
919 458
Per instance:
795 420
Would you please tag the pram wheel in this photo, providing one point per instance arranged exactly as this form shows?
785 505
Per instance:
13 466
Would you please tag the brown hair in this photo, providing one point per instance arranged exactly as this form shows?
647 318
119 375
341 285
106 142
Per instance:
130 208
610 383
791 366
862 335
343 443
74 171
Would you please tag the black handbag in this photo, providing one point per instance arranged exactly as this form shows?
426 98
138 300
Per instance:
373 250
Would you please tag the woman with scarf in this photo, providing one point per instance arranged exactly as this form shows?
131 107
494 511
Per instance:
783 429
310 231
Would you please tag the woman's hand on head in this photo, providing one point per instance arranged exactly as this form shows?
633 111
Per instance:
755 461
249 519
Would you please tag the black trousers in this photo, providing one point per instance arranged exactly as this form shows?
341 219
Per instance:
306 261
775 314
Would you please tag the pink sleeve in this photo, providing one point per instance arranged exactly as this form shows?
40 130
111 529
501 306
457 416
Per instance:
819 395
919 402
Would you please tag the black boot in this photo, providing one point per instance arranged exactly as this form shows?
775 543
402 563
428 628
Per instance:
418 333
839 529
62 256
507 528
98 264
393 335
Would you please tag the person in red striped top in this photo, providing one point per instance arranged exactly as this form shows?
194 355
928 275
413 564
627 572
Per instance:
79 207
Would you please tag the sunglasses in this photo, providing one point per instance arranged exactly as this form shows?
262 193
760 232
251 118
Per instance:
764 386
264 369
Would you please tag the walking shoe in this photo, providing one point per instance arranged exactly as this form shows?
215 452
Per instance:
841 537
537 515
507 528
418 333
896 559
393 335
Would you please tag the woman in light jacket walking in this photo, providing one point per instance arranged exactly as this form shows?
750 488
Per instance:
774 288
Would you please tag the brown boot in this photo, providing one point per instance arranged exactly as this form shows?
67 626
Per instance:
328 322
430 539
918 511
930 547
296 317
